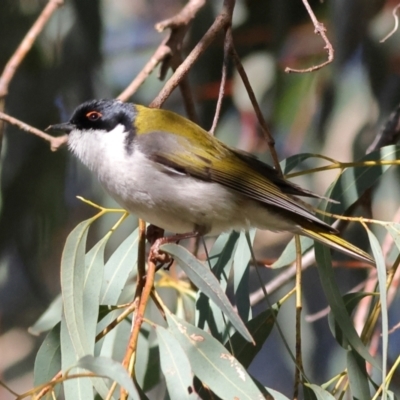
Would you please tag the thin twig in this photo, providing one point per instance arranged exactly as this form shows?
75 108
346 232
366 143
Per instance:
170 45
26 45
264 127
144 287
222 85
55 142
319 30
221 22
299 361
20 53
396 24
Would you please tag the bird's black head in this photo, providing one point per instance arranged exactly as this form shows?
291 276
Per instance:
99 115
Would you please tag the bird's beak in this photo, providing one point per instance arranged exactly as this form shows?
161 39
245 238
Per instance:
65 127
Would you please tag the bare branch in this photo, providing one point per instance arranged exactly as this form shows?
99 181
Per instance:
222 85
264 127
168 52
221 22
26 45
320 30
55 142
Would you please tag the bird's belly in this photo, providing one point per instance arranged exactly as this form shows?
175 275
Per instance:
180 204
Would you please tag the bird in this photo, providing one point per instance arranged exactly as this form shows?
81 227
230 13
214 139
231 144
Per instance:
173 174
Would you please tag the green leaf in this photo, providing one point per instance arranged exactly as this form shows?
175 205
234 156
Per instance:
394 230
320 393
222 260
353 182
288 255
208 314
109 368
292 162
48 358
212 363
241 274
358 376
74 389
175 366
94 263
204 279
49 318
72 284
382 276
260 327
350 300
80 310
276 395
335 301
117 269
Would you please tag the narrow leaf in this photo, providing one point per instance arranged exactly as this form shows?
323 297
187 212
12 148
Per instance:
320 393
381 270
336 303
49 318
212 363
117 269
175 366
48 358
204 279
74 389
350 300
109 368
260 327
288 255
358 376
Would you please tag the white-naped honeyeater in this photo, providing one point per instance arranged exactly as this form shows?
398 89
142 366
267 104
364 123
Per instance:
171 173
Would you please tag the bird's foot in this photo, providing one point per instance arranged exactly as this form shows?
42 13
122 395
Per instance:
161 258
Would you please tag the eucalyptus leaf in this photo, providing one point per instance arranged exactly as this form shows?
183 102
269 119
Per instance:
109 368
320 393
351 301
260 327
118 268
212 363
74 389
336 303
50 318
175 366
358 376
288 256
353 182
48 359
204 279
382 276
292 162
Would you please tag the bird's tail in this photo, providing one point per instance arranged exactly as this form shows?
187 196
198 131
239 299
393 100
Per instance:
337 243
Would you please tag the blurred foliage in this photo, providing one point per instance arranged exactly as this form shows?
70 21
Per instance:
94 49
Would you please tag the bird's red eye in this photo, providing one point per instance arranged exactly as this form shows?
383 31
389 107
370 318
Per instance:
93 115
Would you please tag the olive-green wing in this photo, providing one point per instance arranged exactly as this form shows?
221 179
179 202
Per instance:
215 162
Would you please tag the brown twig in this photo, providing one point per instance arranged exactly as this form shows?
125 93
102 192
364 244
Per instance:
264 127
26 45
319 30
221 93
55 142
20 53
144 287
168 52
221 22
